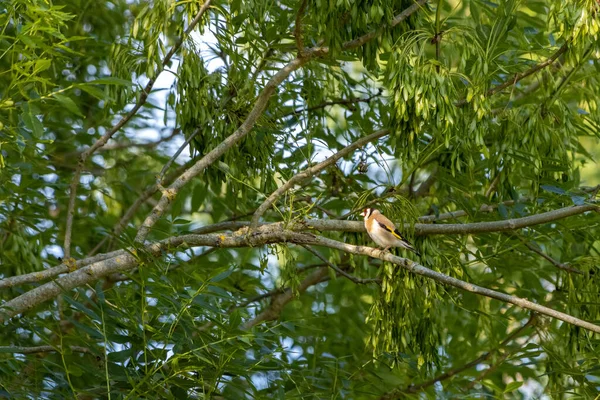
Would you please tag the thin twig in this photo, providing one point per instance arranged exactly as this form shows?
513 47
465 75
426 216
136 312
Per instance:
358 281
522 75
493 185
437 39
149 145
273 311
312 171
106 137
455 371
163 171
494 366
552 261
259 107
298 28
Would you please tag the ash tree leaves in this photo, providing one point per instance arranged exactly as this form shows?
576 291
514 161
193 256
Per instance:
492 108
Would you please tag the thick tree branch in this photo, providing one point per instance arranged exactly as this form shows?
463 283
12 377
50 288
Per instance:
106 137
260 105
425 229
339 226
55 271
246 126
264 235
312 171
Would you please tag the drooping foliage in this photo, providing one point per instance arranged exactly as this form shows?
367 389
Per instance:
492 111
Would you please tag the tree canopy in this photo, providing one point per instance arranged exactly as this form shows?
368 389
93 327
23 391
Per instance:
181 185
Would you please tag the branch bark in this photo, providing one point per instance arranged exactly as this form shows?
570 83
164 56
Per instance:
312 171
246 126
264 235
260 105
332 225
106 137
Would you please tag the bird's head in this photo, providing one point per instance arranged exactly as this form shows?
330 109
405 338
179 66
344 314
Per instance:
367 212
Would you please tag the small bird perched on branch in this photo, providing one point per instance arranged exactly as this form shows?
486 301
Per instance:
384 232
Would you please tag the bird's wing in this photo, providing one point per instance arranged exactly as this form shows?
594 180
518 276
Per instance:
391 229
397 234
388 225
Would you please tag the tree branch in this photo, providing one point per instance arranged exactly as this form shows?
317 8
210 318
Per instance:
163 171
279 301
130 213
358 281
246 126
397 20
552 261
63 268
270 293
522 75
396 393
264 235
105 138
312 171
298 28
494 366
339 226
149 145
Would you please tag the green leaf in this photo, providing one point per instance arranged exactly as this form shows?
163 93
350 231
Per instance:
79 306
31 121
68 103
511 387
553 189
489 384
578 200
111 81
94 91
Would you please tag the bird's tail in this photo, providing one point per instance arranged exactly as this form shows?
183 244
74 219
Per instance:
406 244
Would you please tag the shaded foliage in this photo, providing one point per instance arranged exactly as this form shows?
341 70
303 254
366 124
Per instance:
472 122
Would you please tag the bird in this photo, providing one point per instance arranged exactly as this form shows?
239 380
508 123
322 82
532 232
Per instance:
384 232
